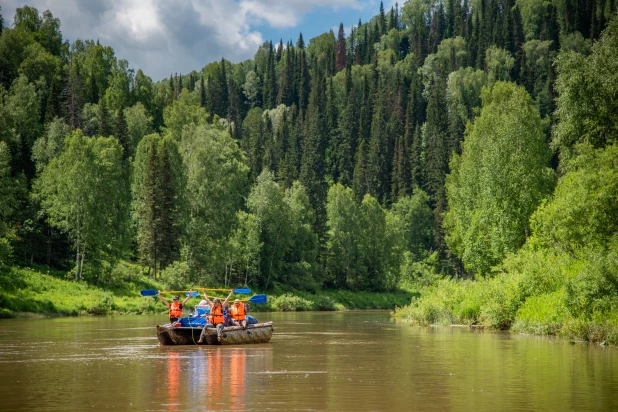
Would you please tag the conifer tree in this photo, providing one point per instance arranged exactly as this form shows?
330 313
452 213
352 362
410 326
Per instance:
268 92
312 170
381 20
348 133
286 79
341 50
435 134
416 166
202 92
279 51
121 132
378 172
300 43
290 164
223 92
360 185
148 239
302 80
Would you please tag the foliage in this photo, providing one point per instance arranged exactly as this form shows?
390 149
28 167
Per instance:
587 105
84 194
217 184
499 180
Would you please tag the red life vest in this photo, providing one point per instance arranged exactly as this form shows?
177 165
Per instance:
238 312
176 310
216 315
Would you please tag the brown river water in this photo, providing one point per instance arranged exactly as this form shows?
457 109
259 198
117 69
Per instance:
335 361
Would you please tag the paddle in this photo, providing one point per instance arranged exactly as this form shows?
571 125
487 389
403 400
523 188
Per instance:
257 299
149 292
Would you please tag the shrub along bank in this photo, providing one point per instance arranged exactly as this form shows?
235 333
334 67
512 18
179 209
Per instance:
46 291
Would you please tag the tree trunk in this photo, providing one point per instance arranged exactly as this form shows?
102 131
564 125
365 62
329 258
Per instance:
77 263
99 271
81 265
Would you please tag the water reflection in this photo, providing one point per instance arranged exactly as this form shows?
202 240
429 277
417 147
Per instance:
213 377
173 380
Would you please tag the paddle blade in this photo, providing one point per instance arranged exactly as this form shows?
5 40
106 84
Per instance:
193 295
149 292
242 291
258 299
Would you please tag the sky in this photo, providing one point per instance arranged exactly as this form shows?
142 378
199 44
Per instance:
162 37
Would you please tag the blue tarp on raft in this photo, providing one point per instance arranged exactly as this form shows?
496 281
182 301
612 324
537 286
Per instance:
192 321
196 321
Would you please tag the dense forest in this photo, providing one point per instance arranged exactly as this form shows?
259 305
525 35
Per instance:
439 140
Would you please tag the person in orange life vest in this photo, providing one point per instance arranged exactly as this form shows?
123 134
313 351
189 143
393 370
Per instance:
239 314
175 306
216 317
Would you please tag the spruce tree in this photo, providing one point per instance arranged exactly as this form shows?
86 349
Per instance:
223 98
342 57
348 133
378 171
121 132
150 211
313 170
268 90
202 92
416 166
360 184
435 141
381 21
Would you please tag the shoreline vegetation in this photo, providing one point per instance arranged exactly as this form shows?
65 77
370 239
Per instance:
38 290
465 153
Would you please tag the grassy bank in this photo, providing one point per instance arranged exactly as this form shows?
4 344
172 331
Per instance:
513 302
41 290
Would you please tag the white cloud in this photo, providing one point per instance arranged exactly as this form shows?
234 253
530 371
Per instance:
163 37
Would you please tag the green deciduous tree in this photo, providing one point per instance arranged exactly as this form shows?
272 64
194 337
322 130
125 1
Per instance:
84 193
587 102
186 110
267 204
217 184
139 123
50 145
499 180
345 233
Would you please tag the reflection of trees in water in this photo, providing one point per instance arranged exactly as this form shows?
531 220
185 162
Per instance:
216 376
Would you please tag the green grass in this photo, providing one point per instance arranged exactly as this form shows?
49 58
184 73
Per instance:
42 290
39 289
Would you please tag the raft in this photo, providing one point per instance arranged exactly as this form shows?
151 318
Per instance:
232 335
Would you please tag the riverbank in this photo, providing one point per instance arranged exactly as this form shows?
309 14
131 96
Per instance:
504 303
45 291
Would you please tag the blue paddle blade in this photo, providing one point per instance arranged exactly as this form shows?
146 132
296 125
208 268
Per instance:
193 295
258 299
149 292
242 291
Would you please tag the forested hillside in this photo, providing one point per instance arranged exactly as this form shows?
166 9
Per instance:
447 139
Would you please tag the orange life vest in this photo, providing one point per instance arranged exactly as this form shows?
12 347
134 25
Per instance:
238 312
216 315
176 310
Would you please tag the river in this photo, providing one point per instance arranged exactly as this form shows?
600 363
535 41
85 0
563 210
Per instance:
315 361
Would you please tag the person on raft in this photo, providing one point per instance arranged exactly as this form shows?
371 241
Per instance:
239 314
175 306
201 309
216 317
